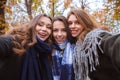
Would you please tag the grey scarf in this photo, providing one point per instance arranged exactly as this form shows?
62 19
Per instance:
84 53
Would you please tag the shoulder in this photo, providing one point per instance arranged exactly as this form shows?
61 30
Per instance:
5 44
111 40
98 31
4 39
111 47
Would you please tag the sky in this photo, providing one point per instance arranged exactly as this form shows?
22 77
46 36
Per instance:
93 5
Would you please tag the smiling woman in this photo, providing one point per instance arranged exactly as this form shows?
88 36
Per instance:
24 52
59 32
43 28
62 53
97 51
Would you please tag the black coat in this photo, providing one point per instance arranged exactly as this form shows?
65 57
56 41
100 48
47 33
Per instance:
10 63
109 67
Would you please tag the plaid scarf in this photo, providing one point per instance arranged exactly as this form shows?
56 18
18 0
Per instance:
62 58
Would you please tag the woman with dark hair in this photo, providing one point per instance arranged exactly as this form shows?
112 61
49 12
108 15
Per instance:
96 53
24 52
62 53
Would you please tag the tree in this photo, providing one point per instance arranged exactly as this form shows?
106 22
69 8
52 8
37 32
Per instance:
28 4
113 6
54 6
2 16
112 9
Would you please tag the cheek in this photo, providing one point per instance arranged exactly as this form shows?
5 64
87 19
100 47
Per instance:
54 34
49 31
80 28
37 28
65 35
69 26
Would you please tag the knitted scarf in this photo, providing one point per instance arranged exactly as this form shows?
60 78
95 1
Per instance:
30 67
86 55
62 58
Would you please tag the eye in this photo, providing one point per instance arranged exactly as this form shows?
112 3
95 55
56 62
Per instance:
55 30
77 22
69 22
40 24
49 26
64 30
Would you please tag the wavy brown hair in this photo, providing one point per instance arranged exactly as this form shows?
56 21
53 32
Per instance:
25 36
84 19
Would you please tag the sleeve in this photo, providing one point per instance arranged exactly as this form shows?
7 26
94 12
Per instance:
5 46
111 47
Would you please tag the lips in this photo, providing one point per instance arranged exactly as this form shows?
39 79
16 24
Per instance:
73 31
59 41
42 35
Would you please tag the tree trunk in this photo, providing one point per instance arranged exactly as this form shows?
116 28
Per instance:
2 16
28 4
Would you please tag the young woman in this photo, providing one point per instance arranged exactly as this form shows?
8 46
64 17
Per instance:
96 53
24 52
62 54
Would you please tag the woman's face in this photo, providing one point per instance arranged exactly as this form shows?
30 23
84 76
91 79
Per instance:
59 31
43 28
74 25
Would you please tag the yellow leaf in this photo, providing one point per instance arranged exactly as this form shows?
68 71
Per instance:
53 1
19 1
9 11
66 3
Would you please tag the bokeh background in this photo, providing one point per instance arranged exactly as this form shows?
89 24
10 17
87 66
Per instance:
14 13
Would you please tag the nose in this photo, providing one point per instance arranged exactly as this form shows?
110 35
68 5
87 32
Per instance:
44 28
59 33
72 25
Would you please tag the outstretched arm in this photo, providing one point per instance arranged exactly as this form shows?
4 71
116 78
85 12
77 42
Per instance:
5 46
111 47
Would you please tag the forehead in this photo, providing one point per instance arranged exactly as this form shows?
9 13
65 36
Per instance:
45 19
72 17
58 24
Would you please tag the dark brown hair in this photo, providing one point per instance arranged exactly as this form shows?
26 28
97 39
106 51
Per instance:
64 20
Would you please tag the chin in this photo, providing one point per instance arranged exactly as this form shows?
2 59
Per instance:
59 42
74 36
42 39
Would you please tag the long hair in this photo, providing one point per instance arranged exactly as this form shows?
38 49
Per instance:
25 36
84 19
65 22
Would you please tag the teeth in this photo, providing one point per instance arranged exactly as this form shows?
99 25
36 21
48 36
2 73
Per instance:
73 31
42 34
60 38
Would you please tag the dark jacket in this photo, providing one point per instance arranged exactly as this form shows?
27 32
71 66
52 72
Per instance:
109 61
10 63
